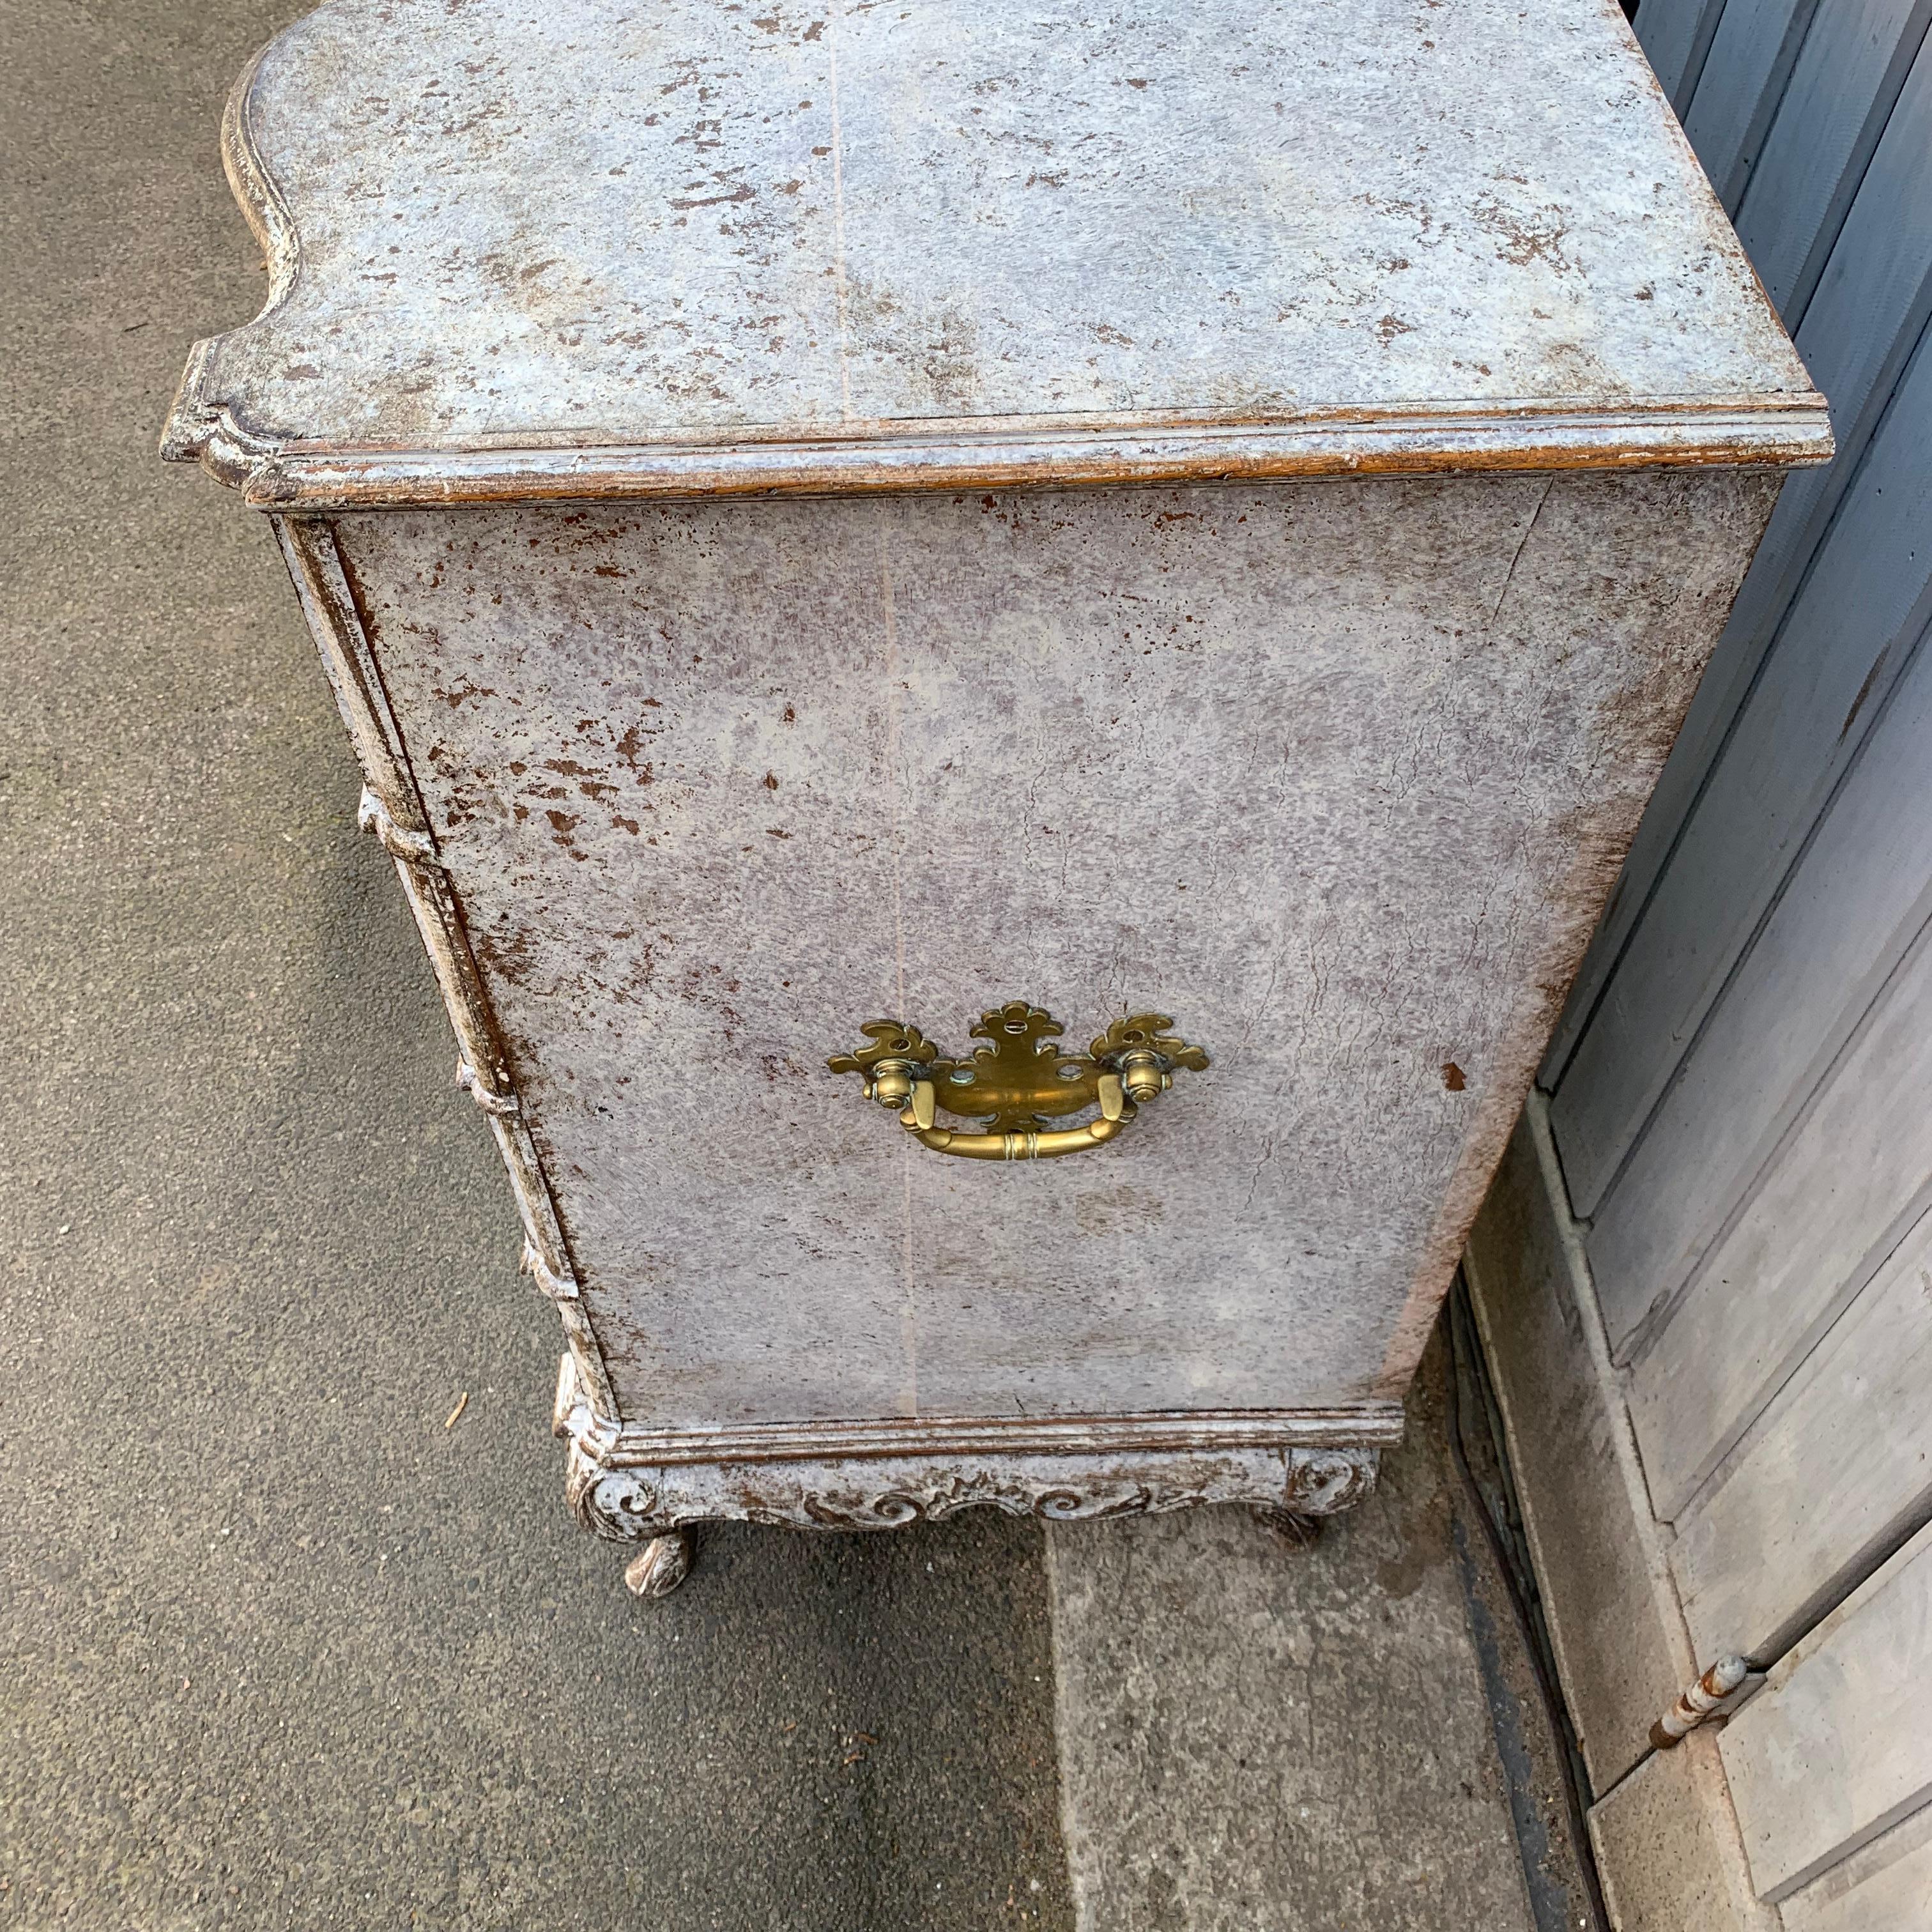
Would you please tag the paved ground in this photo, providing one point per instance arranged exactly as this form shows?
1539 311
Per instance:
282 1648
1259 1740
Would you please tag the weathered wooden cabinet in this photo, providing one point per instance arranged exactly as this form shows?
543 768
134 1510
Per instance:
897 514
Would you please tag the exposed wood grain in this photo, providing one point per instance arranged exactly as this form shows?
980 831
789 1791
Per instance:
1416 442
1862 606
1837 1472
1852 1176
1847 76
1859 331
1837 1746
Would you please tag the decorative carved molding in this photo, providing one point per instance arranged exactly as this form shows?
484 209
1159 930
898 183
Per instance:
558 1284
208 428
209 433
391 807
664 1563
1053 452
1325 1482
887 1492
502 1106
401 841
797 1476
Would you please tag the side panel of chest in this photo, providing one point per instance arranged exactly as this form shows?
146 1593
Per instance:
1335 774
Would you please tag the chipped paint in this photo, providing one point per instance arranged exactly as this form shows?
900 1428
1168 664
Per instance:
830 513
1330 240
1337 773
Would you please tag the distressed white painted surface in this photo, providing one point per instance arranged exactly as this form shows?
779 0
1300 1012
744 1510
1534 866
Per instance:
519 219
1339 772
1334 773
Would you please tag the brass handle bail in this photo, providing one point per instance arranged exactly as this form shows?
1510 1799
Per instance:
1019 1081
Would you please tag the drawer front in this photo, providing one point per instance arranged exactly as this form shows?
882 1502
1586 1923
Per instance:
1335 774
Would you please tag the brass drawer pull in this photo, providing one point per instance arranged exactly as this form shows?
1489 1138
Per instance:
1019 1080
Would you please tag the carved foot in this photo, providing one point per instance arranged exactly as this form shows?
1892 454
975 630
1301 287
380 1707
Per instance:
664 1563
1290 1527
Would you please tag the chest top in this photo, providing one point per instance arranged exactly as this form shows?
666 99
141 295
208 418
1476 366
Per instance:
522 248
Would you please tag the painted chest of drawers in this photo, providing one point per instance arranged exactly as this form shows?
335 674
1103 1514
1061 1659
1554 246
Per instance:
1115 583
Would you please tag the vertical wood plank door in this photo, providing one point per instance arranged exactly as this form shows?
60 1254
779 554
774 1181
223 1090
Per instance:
1739 1157
1837 1747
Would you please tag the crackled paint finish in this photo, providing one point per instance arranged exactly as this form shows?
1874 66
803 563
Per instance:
1336 774
694 219
794 505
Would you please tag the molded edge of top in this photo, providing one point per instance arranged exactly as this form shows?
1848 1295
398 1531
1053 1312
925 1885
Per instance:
1780 429
899 458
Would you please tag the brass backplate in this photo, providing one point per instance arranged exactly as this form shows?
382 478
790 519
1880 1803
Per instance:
1019 1080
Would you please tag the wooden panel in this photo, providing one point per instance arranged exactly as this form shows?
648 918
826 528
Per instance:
1847 76
1862 889
992 703
1676 34
1838 1470
1742 81
1868 594
1886 1887
1845 1188
1614 1623
1838 1745
956 211
1859 329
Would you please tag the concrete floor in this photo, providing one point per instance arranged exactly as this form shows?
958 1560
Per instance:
1343 1739
285 1649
